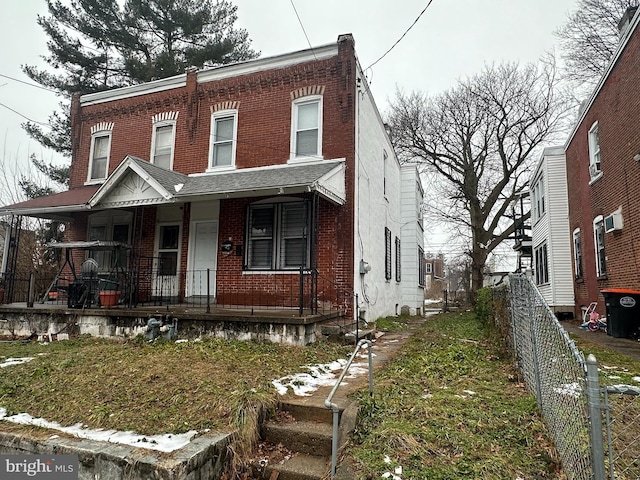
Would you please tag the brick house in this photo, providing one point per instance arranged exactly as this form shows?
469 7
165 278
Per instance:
603 171
268 182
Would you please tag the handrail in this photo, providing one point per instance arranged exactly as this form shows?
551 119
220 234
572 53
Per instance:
335 409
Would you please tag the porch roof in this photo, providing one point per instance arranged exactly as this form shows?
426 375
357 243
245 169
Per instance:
57 205
149 184
136 182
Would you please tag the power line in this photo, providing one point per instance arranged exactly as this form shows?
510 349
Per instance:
24 116
403 35
303 30
27 83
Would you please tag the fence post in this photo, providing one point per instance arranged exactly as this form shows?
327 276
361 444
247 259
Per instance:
595 416
32 289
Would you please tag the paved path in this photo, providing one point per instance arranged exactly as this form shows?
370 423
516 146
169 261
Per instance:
625 346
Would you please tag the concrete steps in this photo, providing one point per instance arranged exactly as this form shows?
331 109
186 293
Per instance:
305 427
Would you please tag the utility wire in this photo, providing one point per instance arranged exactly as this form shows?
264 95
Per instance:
303 30
23 116
403 35
28 83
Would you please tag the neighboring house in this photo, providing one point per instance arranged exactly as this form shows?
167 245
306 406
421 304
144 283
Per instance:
603 174
247 178
551 238
434 272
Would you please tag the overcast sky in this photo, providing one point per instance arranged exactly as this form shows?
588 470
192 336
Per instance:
451 40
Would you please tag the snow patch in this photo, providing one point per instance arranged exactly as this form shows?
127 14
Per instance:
9 362
569 389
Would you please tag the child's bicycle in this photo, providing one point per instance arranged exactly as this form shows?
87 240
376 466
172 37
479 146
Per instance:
594 322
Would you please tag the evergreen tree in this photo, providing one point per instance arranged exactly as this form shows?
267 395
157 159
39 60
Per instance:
97 45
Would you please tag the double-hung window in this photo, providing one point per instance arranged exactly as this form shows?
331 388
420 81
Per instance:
398 260
99 155
162 145
422 270
277 236
306 127
598 240
222 147
577 253
542 264
594 151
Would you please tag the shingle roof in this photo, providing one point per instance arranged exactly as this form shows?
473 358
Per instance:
72 197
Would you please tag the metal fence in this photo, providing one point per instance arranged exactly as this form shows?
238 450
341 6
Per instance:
567 388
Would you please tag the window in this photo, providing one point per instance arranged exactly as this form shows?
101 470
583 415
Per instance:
223 139
162 145
384 172
541 264
538 199
577 253
306 127
168 241
387 253
422 277
594 150
110 226
277 236
99 164
398 257
428 268
598 240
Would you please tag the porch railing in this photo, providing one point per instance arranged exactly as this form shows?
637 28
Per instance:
301 291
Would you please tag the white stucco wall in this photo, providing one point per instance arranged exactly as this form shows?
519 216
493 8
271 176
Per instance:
378 204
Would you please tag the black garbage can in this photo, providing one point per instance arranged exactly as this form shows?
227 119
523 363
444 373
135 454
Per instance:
623 312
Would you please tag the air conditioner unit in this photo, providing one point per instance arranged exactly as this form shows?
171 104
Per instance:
420 215
593 170
613 222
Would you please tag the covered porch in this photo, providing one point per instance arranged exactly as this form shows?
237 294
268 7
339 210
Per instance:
153 241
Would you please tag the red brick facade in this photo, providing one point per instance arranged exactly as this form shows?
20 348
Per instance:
616 109
264 104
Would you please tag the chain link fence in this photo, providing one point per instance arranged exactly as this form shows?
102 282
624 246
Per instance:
568 389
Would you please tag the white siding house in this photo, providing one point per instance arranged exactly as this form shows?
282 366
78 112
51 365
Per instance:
551 238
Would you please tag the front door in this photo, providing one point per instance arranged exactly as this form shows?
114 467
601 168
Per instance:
203 259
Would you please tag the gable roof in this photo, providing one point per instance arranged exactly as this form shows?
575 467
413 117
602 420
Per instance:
136 181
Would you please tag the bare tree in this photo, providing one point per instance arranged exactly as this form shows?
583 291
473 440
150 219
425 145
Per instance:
590 37
477 141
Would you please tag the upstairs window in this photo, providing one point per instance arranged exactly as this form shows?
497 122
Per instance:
162 146
594 151
99 153
306 127
577 253
163 139
277 236
222 151
598 240
538 195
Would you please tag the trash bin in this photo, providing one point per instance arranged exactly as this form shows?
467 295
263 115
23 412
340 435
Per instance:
623 312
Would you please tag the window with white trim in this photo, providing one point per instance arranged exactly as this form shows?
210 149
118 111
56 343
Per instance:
598 240
110 226
168 243
306 127
277 236
577 253
428 268
541 264
222 147
594 151
162 144
99 155
422 271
